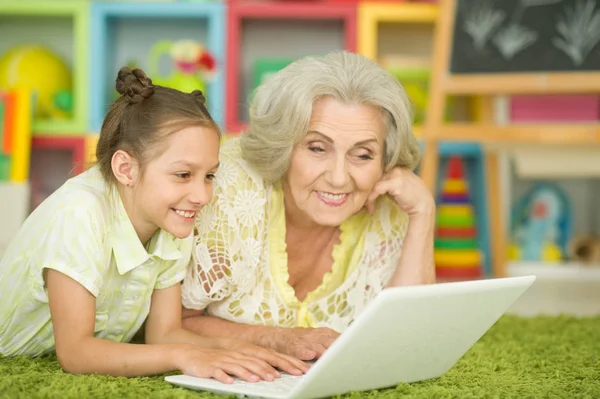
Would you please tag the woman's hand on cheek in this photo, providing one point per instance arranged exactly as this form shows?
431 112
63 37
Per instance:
406 189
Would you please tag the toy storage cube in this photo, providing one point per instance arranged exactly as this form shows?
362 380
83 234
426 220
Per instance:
300 28
65 154
125 33
62 29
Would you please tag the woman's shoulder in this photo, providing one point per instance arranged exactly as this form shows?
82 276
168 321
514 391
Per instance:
234 171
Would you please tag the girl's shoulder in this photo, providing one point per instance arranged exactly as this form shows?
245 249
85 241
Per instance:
84 196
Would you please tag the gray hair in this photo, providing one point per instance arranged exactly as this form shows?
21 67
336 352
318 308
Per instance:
281 108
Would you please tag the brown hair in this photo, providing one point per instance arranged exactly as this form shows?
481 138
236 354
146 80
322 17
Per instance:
144 115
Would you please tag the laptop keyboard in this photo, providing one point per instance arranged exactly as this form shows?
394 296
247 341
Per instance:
283 384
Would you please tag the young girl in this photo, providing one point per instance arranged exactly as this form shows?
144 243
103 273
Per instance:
110 247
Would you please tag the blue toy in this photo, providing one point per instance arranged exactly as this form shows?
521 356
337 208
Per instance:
541 225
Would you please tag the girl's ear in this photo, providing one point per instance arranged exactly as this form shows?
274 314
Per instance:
125 168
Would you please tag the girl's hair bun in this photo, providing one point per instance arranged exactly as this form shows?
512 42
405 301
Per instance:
134 85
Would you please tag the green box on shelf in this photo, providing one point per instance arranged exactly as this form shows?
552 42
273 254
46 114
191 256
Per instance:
416 83
4 167
265 67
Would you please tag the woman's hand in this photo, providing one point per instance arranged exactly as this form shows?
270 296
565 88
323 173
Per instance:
406 189
222 365
301 343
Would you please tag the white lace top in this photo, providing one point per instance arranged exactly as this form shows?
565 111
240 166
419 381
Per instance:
239 262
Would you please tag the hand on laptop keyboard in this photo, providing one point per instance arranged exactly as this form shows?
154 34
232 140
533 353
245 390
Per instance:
248 362
289 364
302 343
223 365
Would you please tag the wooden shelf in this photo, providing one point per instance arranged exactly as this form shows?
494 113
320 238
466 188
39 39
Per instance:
562 272
556 133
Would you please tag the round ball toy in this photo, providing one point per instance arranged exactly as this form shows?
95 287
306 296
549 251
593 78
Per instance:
38 69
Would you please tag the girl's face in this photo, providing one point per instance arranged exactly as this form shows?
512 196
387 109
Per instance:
176 184
334 168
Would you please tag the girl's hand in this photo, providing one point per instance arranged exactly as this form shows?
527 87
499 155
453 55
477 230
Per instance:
406 189
284 362
222 365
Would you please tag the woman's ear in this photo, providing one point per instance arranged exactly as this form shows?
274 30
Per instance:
125 168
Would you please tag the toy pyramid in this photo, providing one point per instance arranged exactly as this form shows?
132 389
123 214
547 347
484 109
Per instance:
456 252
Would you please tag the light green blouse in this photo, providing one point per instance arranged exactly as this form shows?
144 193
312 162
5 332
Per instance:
83 231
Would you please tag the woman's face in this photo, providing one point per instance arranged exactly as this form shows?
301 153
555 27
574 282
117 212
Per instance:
335 166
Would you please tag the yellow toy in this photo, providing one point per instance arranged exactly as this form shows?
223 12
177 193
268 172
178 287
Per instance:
37 69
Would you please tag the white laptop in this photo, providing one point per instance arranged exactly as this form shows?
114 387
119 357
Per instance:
405 334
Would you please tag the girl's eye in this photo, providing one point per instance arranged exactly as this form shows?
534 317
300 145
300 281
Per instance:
183 175
210 176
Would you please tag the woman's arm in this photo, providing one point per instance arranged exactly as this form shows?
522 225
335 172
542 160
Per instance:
302 343
416 265
164 326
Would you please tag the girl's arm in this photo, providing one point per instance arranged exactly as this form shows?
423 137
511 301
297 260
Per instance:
72 310
164 327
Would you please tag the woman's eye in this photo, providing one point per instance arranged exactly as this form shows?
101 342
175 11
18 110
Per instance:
183 175
316 149
210 176
365 157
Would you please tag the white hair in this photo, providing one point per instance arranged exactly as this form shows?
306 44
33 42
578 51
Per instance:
281 108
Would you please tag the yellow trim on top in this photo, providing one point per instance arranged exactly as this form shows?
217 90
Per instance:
371 14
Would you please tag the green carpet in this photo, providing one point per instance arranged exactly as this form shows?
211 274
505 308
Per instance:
519 358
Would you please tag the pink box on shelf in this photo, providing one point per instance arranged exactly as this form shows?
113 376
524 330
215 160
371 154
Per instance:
555 108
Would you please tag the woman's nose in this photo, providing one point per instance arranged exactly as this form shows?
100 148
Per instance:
339 173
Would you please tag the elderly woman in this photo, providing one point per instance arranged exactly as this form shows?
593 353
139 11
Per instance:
315 210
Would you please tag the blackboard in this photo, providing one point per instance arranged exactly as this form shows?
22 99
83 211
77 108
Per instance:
499 36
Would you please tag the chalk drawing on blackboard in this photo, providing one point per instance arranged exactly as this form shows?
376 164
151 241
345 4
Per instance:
514 39
481 20
579 29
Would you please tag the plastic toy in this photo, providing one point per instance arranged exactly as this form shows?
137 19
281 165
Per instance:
541 225
38 69
193 65
456 249
15 134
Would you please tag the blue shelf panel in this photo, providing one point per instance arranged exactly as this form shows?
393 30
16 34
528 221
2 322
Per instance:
124 31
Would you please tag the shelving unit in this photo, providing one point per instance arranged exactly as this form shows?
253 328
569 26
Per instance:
100 37
124 31
292 29
63 27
